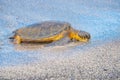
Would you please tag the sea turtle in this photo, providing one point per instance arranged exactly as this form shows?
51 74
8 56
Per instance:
48 31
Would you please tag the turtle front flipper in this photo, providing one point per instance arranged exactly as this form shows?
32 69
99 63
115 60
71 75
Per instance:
81 36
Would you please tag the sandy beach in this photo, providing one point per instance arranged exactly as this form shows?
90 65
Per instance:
95 63
98 59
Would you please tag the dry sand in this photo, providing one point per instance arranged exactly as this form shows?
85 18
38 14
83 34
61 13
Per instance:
97 63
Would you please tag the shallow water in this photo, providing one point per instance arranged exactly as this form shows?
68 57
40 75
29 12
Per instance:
100 18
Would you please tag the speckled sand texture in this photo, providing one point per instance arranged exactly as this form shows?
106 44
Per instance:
98 59
97 63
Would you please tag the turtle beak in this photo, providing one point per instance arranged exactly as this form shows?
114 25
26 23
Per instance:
87 36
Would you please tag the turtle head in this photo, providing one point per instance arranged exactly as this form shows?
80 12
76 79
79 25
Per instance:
81 36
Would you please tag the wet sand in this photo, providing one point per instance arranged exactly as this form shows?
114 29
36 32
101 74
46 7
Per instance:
101 62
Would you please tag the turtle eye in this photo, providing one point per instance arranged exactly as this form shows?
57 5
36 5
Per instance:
86 36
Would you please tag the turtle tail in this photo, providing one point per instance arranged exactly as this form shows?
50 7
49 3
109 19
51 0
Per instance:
12 37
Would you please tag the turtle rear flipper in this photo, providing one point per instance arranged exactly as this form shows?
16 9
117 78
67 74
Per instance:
12 37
